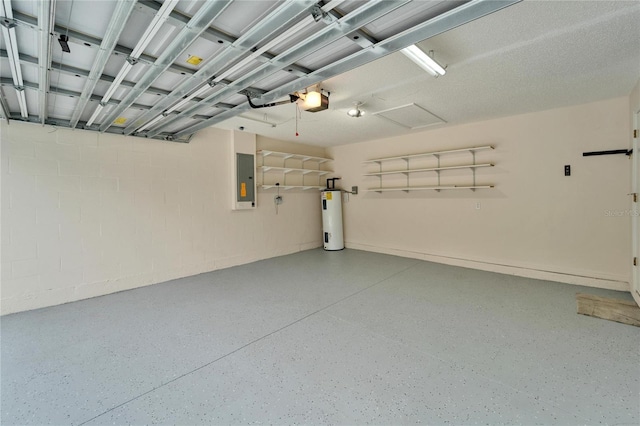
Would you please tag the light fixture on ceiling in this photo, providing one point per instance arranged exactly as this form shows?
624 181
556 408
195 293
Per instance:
9 35
426 62
151 123
356 112
313 100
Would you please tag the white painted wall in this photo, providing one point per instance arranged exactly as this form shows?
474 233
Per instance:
85 214
536 222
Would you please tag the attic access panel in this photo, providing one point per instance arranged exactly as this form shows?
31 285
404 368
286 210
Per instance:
410 116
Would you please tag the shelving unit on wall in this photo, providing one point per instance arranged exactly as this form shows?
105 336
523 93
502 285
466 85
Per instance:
426 165
302 174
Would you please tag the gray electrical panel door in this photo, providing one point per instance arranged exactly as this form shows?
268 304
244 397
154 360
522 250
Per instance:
244 182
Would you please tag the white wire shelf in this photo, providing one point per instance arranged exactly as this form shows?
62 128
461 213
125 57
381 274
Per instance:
427 188
288 187
293 170
432 169
426 154
288 155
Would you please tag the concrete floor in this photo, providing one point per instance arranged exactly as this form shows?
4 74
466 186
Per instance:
320 337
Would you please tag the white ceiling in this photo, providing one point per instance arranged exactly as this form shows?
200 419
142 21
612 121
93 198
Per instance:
529 56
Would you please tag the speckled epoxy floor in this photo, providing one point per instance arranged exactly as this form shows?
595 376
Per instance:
323 338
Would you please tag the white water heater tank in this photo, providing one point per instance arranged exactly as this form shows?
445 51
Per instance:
332 219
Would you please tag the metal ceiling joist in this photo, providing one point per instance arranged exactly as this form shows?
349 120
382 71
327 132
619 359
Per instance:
263 30
359 36
78 72
444 22
66 92
178 20
94 98
46 17
360 17
196 26
4 107
116 26
67 124
9 35
94 42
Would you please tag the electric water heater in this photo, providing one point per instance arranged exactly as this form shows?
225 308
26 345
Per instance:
332 219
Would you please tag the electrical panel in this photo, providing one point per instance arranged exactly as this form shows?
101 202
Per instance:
243 169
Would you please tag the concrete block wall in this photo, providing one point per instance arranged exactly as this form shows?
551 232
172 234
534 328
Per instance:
85 214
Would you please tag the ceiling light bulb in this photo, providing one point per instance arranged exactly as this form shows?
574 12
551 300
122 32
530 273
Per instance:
355 112
313 100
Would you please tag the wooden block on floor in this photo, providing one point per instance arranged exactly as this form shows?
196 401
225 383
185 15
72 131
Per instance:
623 311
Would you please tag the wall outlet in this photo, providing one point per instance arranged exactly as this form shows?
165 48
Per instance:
277 199
354 190
478 206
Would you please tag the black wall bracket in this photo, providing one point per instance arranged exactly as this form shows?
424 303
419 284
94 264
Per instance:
611 152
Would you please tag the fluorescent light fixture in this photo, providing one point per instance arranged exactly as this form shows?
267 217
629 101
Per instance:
157 22
22 100
95 114
9 35
116 81
423 60
189 98
151 123
175 107
46 17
